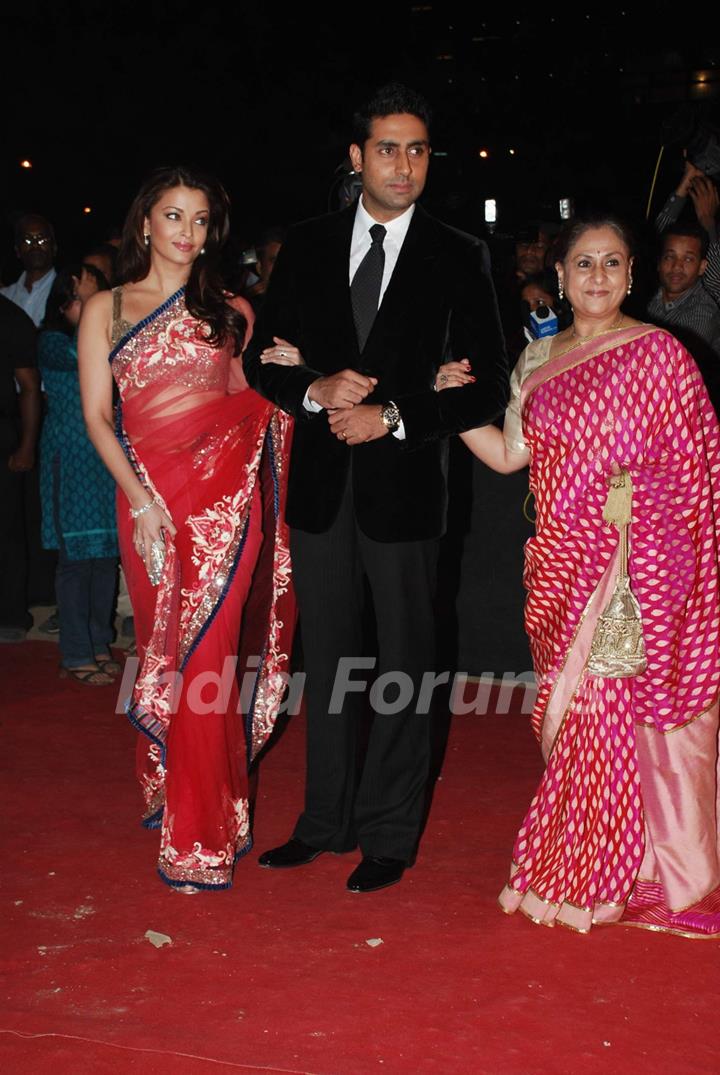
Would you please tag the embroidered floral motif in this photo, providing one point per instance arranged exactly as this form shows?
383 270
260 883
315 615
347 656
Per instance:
201 865
199 451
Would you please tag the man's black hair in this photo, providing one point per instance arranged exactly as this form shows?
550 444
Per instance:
687 231
389 100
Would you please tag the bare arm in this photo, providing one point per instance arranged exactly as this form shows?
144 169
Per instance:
96 392
488 444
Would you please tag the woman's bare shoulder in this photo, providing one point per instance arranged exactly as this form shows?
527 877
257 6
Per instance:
99 304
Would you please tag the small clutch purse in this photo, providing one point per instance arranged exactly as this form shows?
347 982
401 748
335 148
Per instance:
155 562
618 647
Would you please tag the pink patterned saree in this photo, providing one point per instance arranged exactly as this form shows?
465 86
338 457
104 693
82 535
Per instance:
624 826
214 454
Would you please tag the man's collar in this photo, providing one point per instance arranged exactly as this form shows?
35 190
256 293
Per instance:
22 279
680 298
397 226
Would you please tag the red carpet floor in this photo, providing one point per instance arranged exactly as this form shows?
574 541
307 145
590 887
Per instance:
276 975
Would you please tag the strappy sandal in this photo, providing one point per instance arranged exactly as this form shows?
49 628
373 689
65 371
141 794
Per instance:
109 665
87 676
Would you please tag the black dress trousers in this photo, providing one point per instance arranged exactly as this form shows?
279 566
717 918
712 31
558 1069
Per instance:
381 806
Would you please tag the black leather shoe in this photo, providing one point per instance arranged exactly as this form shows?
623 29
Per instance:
293 853
375 873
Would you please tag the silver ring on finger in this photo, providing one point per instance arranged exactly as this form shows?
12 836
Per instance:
283 354
343 434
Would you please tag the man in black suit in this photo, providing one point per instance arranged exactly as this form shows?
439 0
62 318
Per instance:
376 298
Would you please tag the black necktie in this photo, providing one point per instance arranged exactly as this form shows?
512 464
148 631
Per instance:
366 284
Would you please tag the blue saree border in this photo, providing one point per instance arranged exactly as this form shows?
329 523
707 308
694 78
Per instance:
250 715
132 332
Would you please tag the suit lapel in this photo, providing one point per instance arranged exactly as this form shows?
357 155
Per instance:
336 287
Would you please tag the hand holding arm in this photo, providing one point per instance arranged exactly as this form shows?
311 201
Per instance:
282 353
453 375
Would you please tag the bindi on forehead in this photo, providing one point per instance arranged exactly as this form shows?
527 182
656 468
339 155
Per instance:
600 254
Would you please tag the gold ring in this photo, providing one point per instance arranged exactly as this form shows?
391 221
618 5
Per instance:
443 378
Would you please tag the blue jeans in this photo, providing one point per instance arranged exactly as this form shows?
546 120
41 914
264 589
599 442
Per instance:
86 600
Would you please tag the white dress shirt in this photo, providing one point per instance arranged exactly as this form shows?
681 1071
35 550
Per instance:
395 232
33 302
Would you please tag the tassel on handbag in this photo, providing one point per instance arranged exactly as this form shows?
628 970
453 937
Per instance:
618 647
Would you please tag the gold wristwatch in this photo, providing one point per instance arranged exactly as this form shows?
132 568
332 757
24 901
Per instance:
390 415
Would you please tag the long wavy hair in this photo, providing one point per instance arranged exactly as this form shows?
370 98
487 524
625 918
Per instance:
205 296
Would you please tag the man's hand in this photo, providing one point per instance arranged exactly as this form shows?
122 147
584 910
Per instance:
21 460
342 390
705 199
691 173
359 425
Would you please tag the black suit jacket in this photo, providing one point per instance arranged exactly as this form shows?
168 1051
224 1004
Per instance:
439 305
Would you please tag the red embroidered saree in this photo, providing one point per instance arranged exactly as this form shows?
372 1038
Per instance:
217 462
624 826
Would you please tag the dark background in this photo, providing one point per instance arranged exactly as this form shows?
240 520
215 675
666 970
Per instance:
95 94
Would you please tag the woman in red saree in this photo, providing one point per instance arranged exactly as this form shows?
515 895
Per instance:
201 465
624 825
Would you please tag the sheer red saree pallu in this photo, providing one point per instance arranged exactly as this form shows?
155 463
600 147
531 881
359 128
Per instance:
624 825
217 463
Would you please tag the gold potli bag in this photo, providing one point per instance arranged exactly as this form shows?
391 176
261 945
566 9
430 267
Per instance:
618 647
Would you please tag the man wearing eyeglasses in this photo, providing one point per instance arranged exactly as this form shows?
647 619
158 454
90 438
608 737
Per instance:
35 247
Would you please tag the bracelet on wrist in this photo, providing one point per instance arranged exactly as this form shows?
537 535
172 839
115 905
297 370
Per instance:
135 513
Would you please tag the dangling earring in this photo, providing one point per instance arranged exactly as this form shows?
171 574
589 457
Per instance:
629 287
202 250
561 293
147 239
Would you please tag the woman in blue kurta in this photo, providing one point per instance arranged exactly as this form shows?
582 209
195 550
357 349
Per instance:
78 500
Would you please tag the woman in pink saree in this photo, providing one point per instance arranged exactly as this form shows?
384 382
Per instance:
201 465
624 825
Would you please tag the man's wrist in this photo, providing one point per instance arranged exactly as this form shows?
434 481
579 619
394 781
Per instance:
310 394
390 416
310 405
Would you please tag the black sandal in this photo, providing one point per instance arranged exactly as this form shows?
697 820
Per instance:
88 676
109 664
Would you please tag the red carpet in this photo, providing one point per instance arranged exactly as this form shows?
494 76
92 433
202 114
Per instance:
276 975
